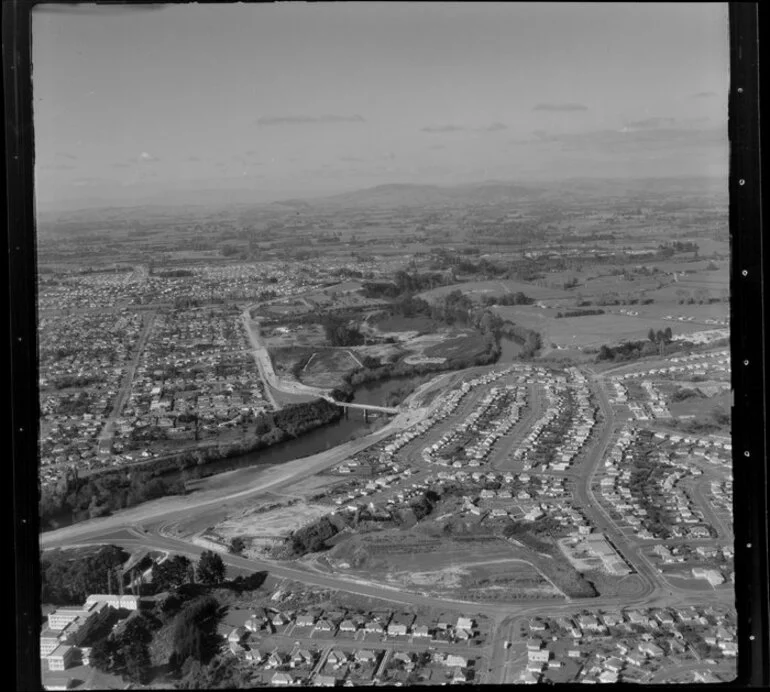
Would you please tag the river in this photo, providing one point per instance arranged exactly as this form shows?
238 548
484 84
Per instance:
318 440
509 350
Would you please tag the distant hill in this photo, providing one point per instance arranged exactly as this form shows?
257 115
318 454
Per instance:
393 196
248 203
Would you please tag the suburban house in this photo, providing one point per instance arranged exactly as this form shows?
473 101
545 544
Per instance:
281 679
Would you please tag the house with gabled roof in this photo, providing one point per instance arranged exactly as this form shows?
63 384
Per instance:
280 678
324 680
348 626
336 657
365 656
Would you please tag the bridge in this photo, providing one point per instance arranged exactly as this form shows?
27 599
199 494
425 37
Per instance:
366 408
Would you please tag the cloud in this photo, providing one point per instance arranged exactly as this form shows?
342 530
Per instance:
66 155
193 159
86 182
642 141
444 128
704 95
121 164
308 120
146 157
57 167
651 123
436 146
350 159
560 107
494 127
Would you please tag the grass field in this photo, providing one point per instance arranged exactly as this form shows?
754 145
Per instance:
468 346
691 584
325 368
617 284
595 330
301 335
488 566
284 358
395 323
699 407
479 289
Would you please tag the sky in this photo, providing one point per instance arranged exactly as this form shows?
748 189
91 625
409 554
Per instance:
289 100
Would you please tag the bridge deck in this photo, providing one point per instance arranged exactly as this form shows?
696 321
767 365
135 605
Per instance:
364 407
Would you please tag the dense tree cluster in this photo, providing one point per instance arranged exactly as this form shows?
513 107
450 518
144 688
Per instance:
111 490
126 653
171 573
339 331
662 336
210 569
685 393
580 313
69 577
103 493
194 632
511 298
631 350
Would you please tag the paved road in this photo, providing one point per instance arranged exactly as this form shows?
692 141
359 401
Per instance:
698 493
599 517
108 431
145 526
500 456
265 364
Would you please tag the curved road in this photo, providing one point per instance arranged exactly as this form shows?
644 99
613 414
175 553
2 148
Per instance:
145 526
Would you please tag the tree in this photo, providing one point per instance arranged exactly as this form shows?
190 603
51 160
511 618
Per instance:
171 573
651 335
102 653
237 544
137 661
137 629
194 633
211 568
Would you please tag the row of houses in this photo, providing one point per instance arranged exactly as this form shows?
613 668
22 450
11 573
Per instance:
494 427
641 637
443 407
629 505
558 437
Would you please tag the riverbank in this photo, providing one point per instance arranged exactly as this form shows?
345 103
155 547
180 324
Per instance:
213 494
117 490
76 498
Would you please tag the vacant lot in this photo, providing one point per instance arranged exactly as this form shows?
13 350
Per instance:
285 358
260 528
326 368
474 568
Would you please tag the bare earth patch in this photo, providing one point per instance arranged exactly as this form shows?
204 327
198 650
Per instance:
260 529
